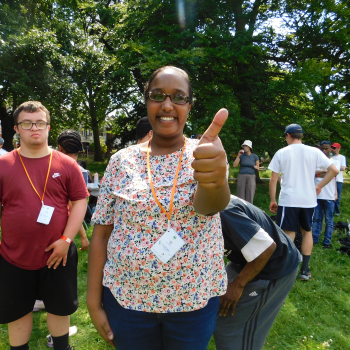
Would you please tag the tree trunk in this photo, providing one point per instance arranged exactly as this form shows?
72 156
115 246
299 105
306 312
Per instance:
257 177
95 127
7 128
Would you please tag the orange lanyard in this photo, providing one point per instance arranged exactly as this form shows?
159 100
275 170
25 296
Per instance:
47 176
174 186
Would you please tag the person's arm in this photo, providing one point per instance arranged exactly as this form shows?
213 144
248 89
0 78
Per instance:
237 160
256 166
332 171
97 260
83 239
235 288
90 177
212 193
342 168
335 191
272 189
74 222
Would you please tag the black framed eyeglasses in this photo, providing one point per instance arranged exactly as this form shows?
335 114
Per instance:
325 142
27 125
158 96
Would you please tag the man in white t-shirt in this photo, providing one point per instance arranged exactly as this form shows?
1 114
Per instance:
2 151
325 201
340 177
297 164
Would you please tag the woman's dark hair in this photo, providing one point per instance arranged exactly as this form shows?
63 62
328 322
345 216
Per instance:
143 127
159 70
70 141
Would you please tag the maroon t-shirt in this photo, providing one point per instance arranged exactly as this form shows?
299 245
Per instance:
23 239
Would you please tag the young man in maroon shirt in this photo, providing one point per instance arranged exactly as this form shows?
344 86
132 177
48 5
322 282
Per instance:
38 258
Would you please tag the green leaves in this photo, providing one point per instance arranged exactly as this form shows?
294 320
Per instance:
89 60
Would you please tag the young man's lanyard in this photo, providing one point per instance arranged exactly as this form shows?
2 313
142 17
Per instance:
174 186
47 176
46 211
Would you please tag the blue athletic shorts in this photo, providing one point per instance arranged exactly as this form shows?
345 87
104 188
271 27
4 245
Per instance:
288 218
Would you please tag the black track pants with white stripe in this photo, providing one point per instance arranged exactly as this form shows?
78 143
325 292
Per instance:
255 313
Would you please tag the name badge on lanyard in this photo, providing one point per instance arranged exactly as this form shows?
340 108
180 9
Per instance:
45 214
170 242
167 245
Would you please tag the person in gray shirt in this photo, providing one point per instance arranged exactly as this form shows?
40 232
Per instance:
248 162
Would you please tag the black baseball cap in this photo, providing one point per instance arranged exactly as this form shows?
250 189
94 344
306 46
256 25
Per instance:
292 128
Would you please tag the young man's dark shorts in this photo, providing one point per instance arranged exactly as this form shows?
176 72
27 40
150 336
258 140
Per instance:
288 218
20 288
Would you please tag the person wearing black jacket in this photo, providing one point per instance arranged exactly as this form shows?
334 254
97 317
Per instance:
262 270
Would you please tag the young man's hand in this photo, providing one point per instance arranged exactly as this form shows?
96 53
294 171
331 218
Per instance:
59 253
273 207
230 299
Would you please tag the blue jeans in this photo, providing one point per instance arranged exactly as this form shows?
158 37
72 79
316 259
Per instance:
134 330
325 208
337 202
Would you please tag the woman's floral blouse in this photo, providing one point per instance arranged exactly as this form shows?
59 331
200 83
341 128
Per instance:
135 276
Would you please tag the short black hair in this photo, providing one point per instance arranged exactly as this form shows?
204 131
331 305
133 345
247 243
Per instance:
82 164
70 141
161 69
296 135
143 127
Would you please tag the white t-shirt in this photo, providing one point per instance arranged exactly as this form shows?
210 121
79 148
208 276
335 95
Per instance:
85 174
328 191
2 151
342 161
297 164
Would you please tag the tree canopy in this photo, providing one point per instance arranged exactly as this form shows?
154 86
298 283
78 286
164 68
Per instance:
270 63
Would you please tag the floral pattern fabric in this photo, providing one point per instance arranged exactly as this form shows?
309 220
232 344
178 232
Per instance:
135 276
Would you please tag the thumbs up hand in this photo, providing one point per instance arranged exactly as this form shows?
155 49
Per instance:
210 168
210 157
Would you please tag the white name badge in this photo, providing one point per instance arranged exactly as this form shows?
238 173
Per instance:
167 245
45 214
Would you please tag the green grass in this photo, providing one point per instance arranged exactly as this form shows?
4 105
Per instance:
314 312
95 167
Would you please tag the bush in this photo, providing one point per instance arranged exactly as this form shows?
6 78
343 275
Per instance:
102 144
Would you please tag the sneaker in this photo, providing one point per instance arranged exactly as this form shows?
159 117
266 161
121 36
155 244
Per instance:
49 342
337 214
73 330
38 306
327 246
304 275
